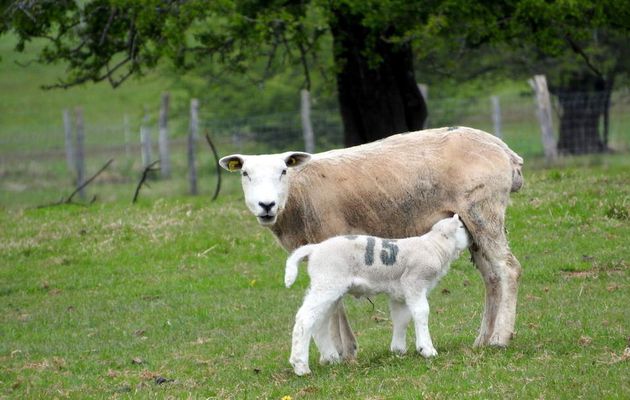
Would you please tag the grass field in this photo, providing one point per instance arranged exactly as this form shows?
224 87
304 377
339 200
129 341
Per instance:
184 298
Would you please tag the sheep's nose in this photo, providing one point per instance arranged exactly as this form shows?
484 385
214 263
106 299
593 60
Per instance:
267 206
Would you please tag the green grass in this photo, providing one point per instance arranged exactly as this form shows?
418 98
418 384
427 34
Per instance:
103 301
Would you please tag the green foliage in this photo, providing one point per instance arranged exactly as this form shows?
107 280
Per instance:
184 298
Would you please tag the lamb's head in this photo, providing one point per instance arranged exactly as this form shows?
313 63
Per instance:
453 229
265 181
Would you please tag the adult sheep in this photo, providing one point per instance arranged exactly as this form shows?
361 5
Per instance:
396 187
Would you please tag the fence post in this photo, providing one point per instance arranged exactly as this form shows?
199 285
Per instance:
192 138
307 127
496 116
67 128
539 84
424 91
165 160
80 151
145 140
127 136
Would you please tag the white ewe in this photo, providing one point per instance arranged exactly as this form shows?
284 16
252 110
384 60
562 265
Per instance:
396 187
405 269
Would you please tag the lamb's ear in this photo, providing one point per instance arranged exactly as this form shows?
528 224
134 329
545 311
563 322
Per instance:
296 158
232 163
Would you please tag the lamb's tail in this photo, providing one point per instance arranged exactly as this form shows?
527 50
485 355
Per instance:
291 271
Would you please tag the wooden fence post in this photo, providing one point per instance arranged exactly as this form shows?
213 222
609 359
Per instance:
80 151
496 116
165 160
192 138
307 127
127 136
539 84
424 91
145 140
70 150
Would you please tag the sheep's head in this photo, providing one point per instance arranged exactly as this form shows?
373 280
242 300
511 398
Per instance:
453 229
265 181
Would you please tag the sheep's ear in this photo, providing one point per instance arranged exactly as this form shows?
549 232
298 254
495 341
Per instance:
232 163
296 158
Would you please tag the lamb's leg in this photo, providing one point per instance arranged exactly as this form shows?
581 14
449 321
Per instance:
315 307
401 315
324 339
341 333
419 307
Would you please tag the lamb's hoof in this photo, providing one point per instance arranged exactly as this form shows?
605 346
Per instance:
330 359
428 352
301 369
399 351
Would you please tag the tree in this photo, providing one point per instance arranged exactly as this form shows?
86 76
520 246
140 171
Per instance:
580 44
111 40
583 47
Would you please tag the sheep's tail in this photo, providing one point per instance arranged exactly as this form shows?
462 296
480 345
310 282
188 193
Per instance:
291 271
517 170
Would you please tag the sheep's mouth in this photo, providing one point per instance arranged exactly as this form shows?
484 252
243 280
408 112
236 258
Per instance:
266 219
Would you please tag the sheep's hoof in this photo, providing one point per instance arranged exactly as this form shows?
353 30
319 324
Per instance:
500 341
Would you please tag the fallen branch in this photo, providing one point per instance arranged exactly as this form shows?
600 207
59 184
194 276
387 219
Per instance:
218 167
145 175
87 182
78 189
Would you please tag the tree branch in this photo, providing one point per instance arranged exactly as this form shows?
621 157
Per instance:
87 182
145 175
579 51
218 167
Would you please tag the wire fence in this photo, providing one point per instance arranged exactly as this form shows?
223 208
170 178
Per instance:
512 117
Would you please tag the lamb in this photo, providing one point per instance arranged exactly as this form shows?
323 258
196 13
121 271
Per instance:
407 269
396 187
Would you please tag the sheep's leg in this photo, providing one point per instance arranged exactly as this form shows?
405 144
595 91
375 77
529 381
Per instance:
419 307
492 295
501 272
342 335
506 314
324 339
314 309
401 315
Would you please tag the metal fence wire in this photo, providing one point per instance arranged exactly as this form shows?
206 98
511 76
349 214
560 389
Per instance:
516 123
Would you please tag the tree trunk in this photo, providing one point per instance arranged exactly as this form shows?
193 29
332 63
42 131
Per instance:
583 100
378 93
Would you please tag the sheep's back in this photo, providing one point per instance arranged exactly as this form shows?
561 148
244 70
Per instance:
396 187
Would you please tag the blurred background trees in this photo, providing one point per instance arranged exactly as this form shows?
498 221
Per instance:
367 54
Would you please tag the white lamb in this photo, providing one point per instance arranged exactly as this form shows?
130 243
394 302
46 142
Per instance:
405 269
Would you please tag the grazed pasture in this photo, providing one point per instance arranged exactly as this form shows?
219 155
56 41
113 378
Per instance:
184 298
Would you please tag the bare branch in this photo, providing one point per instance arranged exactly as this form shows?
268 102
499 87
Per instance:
145 175
87 182
218 167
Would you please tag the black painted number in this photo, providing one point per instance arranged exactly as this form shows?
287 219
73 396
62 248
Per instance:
389 251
